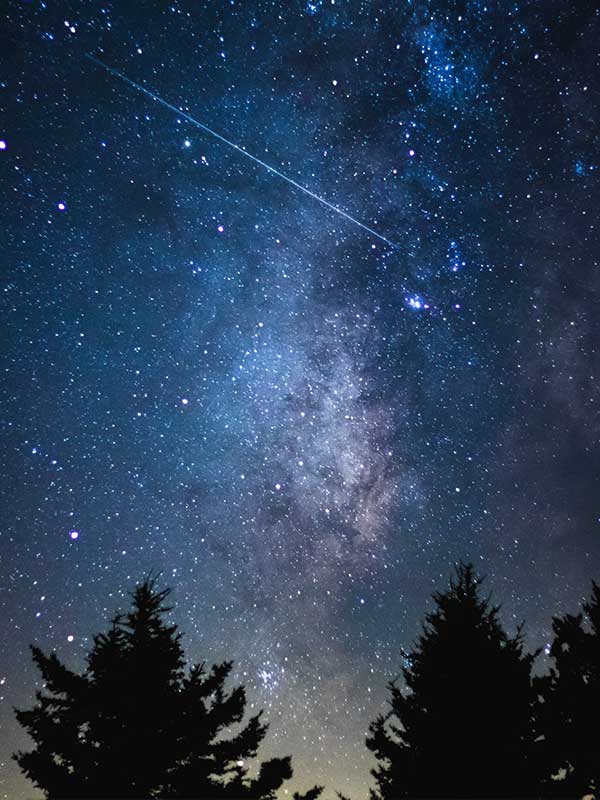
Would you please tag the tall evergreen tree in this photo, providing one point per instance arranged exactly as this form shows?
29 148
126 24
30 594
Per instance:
570 712
135 725
462 725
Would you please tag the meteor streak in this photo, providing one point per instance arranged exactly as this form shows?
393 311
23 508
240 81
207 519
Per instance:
239 149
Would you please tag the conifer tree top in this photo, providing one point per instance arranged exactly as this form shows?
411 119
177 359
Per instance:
463 711
137 724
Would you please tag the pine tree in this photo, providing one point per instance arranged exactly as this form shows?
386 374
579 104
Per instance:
572 701
209 765
135 725
463 724
312 794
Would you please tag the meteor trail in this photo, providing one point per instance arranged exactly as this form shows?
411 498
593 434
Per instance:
239 149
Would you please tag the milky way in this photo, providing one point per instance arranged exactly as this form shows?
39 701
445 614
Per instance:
209 374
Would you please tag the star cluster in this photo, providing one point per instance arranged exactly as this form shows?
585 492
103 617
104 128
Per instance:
303 426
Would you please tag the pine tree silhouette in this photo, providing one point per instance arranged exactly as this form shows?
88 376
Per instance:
569 715
312 794
462 727
135 725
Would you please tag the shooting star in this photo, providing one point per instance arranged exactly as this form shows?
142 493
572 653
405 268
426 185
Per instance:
239 149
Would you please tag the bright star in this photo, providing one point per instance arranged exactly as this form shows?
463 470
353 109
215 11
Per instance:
416 302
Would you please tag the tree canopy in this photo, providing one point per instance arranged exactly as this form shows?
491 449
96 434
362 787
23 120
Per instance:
467 718
461 725
137 724
571 692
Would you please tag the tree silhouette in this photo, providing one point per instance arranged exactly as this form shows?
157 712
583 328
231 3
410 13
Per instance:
312 794
462 727
135 725
569 715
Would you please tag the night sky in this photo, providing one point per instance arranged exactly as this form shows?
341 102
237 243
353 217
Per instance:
209 373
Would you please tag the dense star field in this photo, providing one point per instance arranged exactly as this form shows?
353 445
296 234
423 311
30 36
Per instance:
209 373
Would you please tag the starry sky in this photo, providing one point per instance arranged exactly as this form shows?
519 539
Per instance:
209 373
